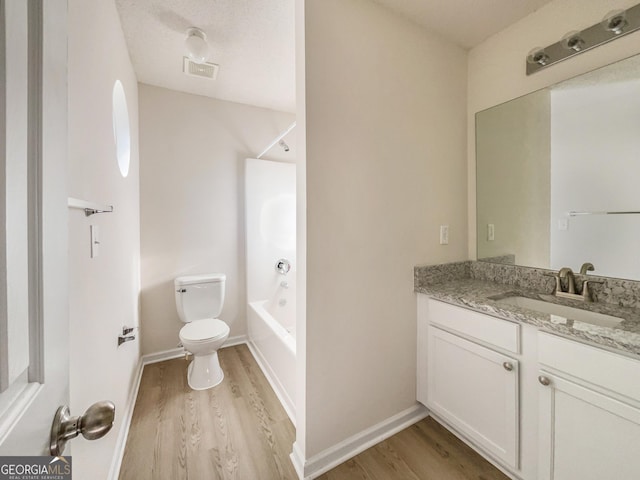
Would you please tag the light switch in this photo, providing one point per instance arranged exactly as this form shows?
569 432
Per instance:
95 240
444 234
491 232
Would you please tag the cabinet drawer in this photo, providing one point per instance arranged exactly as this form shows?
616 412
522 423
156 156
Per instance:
600 367
490 330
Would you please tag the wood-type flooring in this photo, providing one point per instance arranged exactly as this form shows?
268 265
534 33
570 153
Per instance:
239 430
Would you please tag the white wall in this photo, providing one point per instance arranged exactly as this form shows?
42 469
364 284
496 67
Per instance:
103 292
594 126
192 152
385 166
496 68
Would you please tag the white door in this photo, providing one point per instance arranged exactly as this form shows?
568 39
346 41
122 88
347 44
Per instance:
34 336
586 435
475 389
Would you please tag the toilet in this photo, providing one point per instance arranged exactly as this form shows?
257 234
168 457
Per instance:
199 300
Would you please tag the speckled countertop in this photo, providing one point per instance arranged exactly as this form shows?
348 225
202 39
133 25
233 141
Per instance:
475 294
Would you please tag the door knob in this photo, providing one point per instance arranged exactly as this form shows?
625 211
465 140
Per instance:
508 366
94 424
544 380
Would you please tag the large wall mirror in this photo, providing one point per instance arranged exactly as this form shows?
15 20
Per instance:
558 175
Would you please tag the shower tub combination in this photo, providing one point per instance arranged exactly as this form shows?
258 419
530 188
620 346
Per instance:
270 240
274 346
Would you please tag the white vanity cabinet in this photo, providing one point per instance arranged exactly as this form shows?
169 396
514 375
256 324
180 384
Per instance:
540 406
469 383
589 412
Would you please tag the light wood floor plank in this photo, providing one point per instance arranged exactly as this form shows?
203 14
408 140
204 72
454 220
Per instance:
239 431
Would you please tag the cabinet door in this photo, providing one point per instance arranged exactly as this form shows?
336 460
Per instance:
586 435
475 390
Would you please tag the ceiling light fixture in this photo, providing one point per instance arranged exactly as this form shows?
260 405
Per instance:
196 45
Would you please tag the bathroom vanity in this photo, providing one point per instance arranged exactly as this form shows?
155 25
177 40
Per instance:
545 386
539 395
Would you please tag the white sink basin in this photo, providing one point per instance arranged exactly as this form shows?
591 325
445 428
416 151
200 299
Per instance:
560 313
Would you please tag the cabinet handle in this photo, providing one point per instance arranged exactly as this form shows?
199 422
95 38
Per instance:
508 366
544 380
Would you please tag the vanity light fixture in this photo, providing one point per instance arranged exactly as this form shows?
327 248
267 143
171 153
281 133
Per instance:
615 24
196 45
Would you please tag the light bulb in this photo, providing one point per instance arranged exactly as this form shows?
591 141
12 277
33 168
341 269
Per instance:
573 41
196 45
538 56
615 21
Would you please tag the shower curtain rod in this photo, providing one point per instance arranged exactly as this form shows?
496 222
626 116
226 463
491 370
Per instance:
277 139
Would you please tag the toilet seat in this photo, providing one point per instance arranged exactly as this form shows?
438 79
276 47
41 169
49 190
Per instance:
204 330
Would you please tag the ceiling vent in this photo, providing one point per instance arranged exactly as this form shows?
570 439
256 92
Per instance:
202 70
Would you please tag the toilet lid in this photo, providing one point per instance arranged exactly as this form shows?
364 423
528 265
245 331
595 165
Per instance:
202 330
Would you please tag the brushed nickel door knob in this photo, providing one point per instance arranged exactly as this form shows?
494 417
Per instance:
94 424
508 366
544 380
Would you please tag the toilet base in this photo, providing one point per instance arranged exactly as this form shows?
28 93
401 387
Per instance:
204 372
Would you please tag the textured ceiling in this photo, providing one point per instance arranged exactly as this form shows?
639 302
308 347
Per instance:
253 40
464 22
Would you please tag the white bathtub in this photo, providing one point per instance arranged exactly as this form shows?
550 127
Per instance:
273 344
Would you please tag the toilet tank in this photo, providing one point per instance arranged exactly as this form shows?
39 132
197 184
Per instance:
199 296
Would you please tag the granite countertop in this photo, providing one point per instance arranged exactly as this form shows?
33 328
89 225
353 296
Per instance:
474 294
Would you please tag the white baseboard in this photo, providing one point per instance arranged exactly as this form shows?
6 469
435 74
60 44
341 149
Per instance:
272 378
298 460
358 443
121 442
179 351
156 357
233 341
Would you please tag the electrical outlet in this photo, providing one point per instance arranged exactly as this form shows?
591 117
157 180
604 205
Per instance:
491 232
444 234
